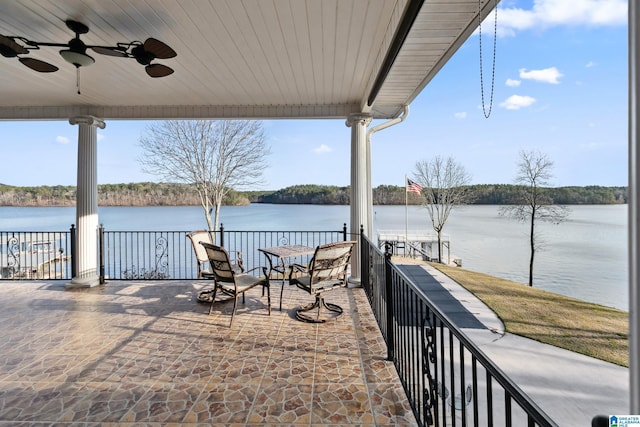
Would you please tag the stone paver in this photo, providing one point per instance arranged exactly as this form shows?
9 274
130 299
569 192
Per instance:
140 353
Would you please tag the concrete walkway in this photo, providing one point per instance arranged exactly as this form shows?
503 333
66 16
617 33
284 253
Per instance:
569 387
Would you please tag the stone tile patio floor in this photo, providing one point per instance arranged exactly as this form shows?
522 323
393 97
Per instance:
147 354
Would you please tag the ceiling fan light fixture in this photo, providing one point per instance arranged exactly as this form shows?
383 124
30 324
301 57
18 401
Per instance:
75 52
79 59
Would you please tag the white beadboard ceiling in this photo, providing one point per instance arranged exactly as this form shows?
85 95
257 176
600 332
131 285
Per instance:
235 58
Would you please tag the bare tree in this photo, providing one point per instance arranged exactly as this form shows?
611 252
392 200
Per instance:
215 156
443 186
535 171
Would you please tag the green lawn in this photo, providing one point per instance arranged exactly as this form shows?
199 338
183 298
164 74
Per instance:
591 329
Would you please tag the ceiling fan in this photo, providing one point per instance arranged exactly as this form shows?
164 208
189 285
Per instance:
75 52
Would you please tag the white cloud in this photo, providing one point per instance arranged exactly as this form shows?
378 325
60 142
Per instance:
590 64
62 140
99 136
513 82
461 115
551 13
547 75
322 148
516 102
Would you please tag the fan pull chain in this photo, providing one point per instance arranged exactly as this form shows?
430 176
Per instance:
493 71
78 79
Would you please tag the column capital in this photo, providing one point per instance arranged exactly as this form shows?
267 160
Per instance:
87 120
358 118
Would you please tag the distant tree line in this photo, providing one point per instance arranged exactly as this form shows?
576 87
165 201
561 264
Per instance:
307 195
58 195
479 194
507 194
165 194
132 194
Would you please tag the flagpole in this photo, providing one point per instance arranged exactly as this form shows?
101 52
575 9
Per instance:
406 214
414 187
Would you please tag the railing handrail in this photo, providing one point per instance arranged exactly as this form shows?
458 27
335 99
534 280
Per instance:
511 389
159 255
153 255
498 374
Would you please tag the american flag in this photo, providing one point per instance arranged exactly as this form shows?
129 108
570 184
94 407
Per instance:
413 187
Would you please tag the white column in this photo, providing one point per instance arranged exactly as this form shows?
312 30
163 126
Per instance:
87 202
634 207
360 201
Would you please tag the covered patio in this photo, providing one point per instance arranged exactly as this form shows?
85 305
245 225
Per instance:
356 61
146 353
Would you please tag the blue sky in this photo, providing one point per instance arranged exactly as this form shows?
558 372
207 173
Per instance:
560 88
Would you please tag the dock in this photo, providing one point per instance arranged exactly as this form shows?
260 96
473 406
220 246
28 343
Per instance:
417 243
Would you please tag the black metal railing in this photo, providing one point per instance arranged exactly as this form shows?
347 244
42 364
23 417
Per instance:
146 255
139 255
447 378
35 255
169 255
248 242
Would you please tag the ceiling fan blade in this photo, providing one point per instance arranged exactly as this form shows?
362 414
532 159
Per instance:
110 51
158 70
158 49
39 66
9 48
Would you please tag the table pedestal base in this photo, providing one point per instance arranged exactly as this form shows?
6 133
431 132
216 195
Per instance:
303 315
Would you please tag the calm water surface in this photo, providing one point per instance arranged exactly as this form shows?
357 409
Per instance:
584 257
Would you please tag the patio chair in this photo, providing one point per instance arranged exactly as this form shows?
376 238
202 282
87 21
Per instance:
204 269
327 270
231 282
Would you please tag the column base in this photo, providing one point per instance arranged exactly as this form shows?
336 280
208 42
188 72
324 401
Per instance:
354 282
83 282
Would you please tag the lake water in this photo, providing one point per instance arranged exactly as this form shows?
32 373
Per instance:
584 257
